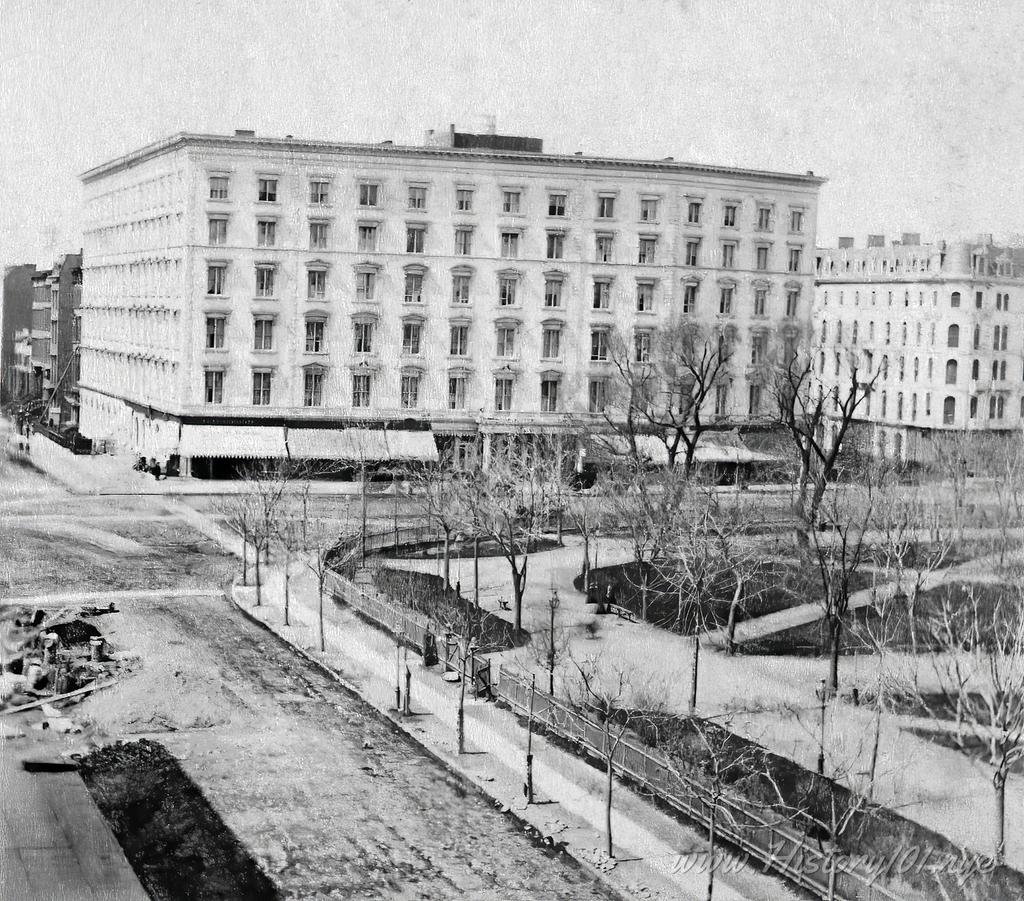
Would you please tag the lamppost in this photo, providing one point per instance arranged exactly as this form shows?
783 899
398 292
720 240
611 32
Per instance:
821 738
553 604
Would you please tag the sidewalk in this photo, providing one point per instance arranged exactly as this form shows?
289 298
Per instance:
570 792
54 843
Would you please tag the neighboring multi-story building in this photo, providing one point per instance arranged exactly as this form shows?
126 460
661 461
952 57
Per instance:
251 297
65 283
15 316
937 325
25 385
41 328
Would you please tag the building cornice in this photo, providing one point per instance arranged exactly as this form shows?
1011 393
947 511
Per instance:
571 161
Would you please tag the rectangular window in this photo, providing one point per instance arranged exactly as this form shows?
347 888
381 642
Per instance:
417 197
553 292
757 343
556 245
605 207
648 209
215 279
267 190
261 389
507 291
510 201
646 250
596 396
764 218
793 304
263 334
762 258
754 400
315 336
316 284
693 210
644 297
602 294
690 298
361 390
509 245
506 341
413 287
319 191
642 347
218 231
367 238
414 238
460 289
729 215
410 391
463 241
369 194
464 200
692 253
551 345
795 259
411 334
266 233
318 235
549 395
313 388
456 392
556 204
218 187
502 394
604 248
721 399
366 283
363 333
725 301
599 345
728 256
264 281
459 345
214 332
213 385
796 221
760 301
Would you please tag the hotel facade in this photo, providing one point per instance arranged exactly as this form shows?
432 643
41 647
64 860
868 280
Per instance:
937 326
248 297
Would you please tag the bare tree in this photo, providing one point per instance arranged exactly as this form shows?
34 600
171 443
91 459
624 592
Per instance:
462 623
818 422
435 494
977 659
664 380
240 513
839 554
588 516
605 692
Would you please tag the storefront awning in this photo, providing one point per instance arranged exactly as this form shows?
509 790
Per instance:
654 451
356 445
250 442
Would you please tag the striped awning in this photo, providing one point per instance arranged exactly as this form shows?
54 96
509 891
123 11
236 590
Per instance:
356 445
653 450
250 442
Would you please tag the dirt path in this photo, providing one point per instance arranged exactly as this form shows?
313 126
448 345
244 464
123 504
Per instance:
333 800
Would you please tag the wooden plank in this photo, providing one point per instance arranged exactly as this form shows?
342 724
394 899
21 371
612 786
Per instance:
94 686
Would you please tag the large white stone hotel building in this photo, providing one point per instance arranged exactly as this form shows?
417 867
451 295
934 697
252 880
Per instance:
939 325
255 297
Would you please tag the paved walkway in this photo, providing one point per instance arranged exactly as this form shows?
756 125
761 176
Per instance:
55 845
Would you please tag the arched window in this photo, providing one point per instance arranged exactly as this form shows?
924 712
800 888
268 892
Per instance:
899 406
975 366
917 368
977 337
953 336
973 407
885 367
954 299
950 372
948 410
885 398
855 324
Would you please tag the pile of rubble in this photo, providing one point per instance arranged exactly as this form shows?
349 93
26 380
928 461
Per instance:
50 661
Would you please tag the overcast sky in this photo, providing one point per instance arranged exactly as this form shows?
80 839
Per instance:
914 109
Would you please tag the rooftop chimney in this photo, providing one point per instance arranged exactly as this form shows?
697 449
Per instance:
244 133
845 242
876 240
911 239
